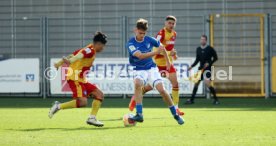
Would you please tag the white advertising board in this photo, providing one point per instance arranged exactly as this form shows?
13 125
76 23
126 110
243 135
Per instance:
19 76
115 76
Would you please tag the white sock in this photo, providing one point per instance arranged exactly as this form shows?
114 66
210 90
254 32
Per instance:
92 116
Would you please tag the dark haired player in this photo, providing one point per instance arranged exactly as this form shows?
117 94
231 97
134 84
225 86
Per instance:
145 70
80 63
167 37
206 56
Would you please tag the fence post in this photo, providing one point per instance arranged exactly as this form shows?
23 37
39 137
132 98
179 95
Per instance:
207 33
124 34
267 56
270 17
44 56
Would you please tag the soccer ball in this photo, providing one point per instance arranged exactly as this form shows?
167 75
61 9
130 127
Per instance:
127 122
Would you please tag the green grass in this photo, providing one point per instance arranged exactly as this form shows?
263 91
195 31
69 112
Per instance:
238 121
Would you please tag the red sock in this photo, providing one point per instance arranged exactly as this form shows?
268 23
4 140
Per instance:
132 103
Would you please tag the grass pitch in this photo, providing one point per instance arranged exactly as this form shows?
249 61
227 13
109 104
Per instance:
244 121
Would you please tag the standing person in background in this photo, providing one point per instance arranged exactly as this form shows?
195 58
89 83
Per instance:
206 56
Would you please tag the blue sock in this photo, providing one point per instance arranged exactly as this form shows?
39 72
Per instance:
173 110
139 108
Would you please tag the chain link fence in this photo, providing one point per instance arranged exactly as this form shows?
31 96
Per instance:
47 38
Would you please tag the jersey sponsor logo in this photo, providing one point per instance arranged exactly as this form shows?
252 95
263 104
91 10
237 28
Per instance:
88 50
170 42
132 48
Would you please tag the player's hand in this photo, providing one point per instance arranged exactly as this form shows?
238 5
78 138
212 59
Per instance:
175 57
206 65
173 52
190 68
56 66
66 60
161 50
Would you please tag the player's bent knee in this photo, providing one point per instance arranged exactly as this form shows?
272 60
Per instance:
99 98
138 80
99 95
138 83
81 102
175 85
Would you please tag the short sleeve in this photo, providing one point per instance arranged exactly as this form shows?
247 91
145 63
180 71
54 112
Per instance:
88 52
154 42
160 36
131 49
76 52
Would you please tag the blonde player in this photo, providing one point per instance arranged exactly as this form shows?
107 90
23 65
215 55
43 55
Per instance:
167 37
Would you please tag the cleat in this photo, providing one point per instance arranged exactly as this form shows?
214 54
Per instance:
216 102
132 103
179 112
189 101
179 119
137 118
54 109
93 121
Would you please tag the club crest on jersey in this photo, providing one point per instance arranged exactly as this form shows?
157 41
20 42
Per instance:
148 45
88 50
84 92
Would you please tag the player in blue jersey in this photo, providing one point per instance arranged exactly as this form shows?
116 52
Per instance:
145 70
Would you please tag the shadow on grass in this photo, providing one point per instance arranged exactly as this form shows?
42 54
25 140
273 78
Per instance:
88 128
120 119
149 102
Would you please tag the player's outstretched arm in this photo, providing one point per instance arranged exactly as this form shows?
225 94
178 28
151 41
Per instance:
61 61
73 59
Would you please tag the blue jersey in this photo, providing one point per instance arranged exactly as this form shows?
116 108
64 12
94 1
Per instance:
144 47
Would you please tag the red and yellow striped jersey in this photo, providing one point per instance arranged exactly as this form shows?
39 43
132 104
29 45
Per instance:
168 40
80 68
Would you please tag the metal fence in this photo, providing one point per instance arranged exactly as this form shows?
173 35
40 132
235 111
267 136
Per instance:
46 38
23 38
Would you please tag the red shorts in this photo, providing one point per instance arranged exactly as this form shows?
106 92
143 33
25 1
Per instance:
164 68
80 89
